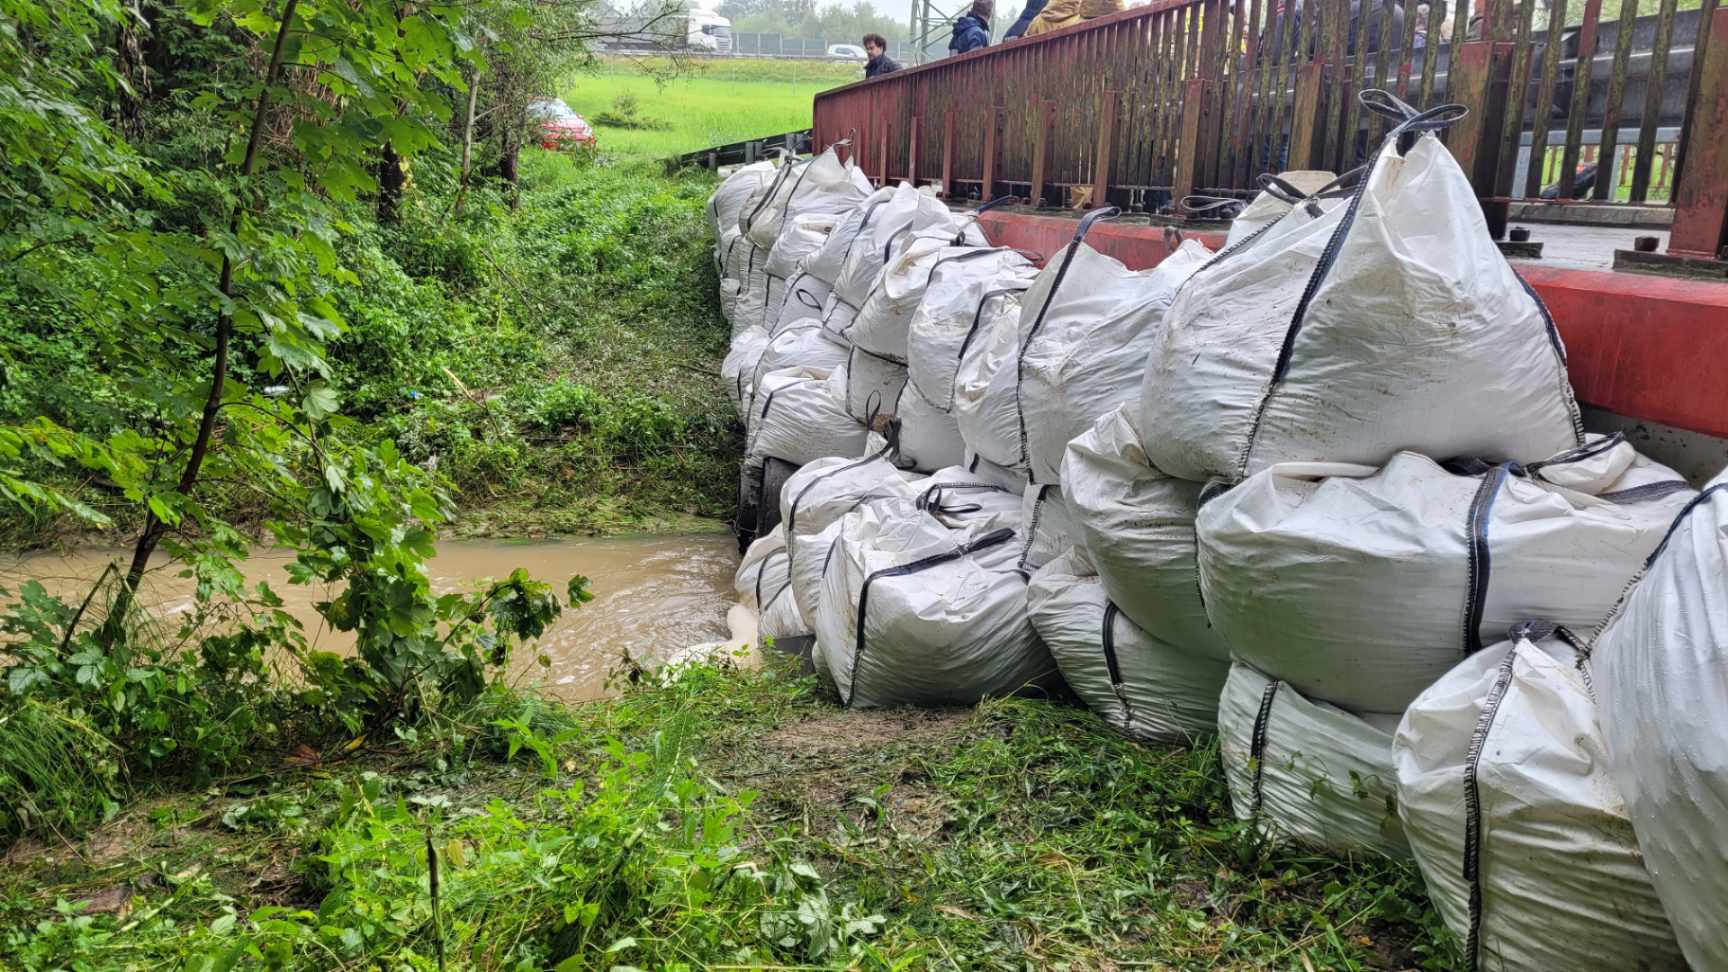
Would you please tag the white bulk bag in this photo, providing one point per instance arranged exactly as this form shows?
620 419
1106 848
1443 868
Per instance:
902 214
803 345
987 395
915 613
733 191
1523 840
1138 685
1363 586
800 237
1086 351
927 437
1308 772
872 385
738 369
1386 324
1137 524
963 299
822 185
815 498
797 417
762 570
1660 670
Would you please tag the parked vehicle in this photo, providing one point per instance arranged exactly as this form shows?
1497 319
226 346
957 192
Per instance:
560 127
851 52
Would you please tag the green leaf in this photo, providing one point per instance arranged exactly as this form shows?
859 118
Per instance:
321 401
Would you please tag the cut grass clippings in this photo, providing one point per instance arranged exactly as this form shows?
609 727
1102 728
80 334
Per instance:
1023 834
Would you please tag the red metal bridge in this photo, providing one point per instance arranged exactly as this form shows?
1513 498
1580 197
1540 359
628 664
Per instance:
1198 97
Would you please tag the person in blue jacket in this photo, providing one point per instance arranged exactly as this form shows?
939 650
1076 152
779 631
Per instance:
972 29
1033 8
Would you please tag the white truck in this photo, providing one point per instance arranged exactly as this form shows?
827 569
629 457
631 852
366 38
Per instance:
706 30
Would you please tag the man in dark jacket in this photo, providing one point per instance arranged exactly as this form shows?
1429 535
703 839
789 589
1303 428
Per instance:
972 29
1033 8
876 46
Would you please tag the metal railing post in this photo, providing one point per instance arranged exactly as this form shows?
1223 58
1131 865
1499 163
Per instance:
1701 195
1479 75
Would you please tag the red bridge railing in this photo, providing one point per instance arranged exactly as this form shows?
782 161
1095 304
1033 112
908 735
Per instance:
1200 96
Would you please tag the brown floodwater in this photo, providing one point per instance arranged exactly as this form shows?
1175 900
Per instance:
656 598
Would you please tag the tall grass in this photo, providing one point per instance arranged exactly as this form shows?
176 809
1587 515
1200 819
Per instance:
50 779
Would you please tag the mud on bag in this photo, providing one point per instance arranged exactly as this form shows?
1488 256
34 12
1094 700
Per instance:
1522 838
1660 670
1351 333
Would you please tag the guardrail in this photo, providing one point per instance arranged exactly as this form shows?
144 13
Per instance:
744 152
1189 97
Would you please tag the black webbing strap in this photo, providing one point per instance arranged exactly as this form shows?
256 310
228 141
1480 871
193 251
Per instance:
1113 665
1473 808
1257 746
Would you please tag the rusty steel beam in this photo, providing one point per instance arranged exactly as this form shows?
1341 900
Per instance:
1106 147
1043 120
992 138
1701 195
948 153
912 151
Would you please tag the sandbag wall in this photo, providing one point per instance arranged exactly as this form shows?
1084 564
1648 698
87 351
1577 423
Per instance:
1324 493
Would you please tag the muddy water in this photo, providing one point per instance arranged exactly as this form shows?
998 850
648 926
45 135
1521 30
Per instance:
654 597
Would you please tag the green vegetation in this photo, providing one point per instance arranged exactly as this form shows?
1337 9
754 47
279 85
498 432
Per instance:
701 102
728 820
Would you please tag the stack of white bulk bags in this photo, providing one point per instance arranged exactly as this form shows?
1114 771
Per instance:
1351 332
1085 351
915 612
964 298
1138 685
1523 839
1307 772
743 262
801 236
820 270
1660 667
1078 280
1138 526
822 185
1362 586
886 223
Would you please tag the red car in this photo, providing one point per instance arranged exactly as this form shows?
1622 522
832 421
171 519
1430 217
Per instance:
560 128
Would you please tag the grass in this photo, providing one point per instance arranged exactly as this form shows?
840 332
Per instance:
738 820
703 102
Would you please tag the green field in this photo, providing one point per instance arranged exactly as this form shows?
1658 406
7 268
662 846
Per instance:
702 103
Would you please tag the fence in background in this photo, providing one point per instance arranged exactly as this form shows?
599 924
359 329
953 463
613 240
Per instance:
1200 96
780 45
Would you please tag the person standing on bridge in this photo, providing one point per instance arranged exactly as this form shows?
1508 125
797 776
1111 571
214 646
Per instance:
972 29
876 46
1018 29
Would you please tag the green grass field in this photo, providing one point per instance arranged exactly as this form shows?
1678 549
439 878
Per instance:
702 102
